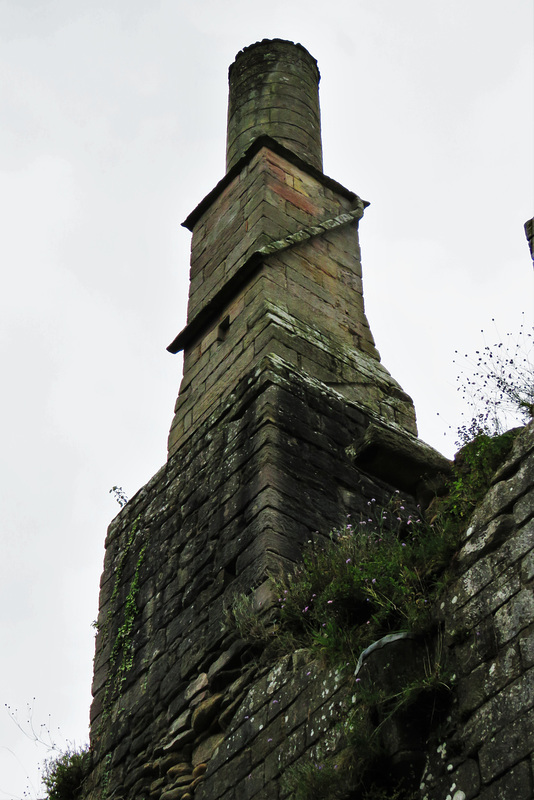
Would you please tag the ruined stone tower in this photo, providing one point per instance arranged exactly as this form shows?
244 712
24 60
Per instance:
286 421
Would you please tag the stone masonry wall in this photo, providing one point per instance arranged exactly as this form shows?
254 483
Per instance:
302 300
269 198
265 471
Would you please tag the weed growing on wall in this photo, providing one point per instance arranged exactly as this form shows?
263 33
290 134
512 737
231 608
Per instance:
498 384
121 656
473 469
325 780
120 495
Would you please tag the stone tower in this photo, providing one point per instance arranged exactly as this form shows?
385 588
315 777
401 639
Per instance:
286 421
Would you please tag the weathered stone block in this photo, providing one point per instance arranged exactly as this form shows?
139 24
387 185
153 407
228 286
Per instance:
514 548
488 539
516 784
514 615
510 745
524 508
526 646
514 700
487 679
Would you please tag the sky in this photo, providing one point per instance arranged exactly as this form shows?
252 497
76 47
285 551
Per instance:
113 126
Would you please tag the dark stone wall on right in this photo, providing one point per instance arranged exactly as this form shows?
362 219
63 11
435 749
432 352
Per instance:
486 751
529 232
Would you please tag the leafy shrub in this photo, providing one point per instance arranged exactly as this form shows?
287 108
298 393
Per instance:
473 469
63 776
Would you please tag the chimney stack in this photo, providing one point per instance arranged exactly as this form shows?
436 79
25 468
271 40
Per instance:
274 91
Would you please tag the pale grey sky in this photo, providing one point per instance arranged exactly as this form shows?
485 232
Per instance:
113 129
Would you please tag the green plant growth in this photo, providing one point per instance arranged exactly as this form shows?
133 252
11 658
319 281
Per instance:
374 576
378 574
473 469
63 776
121 657
122 652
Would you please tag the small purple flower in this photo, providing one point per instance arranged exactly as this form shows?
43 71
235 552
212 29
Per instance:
269 740
275 701
374 580
403 544
329 601
347 561
305 609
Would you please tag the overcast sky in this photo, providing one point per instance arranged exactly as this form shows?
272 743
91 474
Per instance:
113 125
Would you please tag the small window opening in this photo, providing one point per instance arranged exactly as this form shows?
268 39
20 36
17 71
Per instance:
222 331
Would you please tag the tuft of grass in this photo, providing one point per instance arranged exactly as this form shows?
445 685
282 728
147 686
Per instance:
323 780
